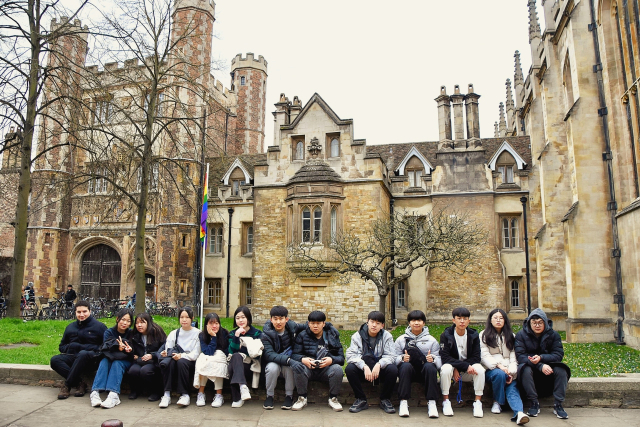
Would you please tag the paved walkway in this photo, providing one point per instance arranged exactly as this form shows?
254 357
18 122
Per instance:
39 406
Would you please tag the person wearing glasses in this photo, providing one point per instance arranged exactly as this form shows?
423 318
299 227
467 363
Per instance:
541 372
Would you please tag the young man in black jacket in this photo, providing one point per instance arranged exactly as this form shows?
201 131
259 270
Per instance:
460 352
539 353
278 337
79 347
321 356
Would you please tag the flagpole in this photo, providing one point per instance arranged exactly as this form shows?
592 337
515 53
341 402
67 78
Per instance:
204 251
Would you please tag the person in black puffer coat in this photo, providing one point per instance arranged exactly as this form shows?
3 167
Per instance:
541 372
79 347
145 373
320 352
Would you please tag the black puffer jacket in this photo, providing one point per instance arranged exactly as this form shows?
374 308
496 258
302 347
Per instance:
449 349
110 347
140 349
86 335
548 345
306 344
271 342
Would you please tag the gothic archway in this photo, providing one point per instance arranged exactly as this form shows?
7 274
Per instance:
100 272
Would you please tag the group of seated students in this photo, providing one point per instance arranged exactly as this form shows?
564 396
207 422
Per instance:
527 364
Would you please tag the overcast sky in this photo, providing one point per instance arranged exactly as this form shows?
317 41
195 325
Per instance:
379 63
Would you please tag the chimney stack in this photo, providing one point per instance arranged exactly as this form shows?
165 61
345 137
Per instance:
473 115
458 120
444 114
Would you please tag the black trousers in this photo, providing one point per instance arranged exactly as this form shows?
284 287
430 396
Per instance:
535 383
145 377
238 374
72 366
428 376
179 373
388 376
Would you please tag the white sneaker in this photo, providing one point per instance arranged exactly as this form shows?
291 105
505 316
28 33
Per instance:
165 401
433 409
184 400
112 400
200 400
334 404
447 410
217 401
477 409
95 399
403 411
496 408
300 403
522 418
237 404
244 392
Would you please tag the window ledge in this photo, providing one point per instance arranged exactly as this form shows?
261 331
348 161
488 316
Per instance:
215 255
513 250
212 306
248 255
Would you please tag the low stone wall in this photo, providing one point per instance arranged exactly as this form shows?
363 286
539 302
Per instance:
615 392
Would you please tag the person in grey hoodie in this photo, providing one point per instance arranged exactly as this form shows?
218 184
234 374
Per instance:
418 359
371 356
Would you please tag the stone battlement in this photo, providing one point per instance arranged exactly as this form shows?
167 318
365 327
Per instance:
249 62
75 26
207 5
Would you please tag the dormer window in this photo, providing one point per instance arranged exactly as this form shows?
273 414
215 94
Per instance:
414 170
237 180
505 165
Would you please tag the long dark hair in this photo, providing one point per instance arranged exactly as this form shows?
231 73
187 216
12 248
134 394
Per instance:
123 312
490 335
204 335
155 333
247 313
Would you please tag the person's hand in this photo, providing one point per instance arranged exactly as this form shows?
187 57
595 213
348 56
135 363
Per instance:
296 366
163 353
146 357
210 331
240 331
509 379
127 347
471 370
456 374
367 373
547 370
120 344
325 361
375 373
135 357
534 359
306 361
430 358
502 368
405 356
176 356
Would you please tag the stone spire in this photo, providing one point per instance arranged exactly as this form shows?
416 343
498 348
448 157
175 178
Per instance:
503 122
510 107
518 78
534 24
496 133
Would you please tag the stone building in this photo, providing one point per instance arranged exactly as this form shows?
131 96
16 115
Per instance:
579 105
317 179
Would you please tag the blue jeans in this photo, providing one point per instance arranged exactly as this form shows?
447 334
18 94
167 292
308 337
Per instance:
498 380
109 375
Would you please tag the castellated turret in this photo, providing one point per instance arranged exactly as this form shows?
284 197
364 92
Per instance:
193 34
249 82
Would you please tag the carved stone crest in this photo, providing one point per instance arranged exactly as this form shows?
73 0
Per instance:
315 148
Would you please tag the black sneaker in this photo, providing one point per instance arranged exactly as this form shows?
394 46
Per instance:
387 406
560 412
359 405
268 403
153 397
288 402
133 395
534 409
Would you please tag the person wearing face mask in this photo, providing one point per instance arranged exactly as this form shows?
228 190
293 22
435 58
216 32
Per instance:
418 359
370 357
117 356
499 359
79 347
239 359
541 372
212 362
178 359
145 373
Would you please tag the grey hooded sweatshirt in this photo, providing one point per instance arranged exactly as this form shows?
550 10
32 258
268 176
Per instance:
424 342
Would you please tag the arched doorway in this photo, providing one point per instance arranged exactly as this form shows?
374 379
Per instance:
101 267
151 288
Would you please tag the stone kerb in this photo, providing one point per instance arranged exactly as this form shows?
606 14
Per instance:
614 392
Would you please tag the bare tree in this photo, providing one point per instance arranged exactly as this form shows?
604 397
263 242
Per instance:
25 45
390 250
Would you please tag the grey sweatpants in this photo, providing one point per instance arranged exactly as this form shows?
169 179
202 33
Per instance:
331 374
272 371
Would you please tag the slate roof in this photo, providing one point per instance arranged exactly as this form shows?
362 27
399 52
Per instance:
315 171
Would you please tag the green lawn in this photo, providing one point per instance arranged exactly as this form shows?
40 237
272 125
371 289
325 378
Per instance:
585 360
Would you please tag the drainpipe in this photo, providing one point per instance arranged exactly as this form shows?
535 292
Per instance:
612 206
393 269
229 259
523 200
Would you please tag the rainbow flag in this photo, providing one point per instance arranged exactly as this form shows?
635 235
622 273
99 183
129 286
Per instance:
205 208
